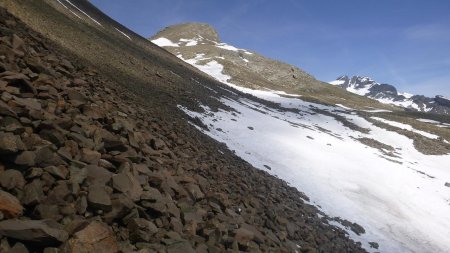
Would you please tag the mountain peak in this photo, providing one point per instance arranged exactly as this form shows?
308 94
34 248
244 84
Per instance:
189 31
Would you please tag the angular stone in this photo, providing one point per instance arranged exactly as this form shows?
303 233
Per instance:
95 238
98 175
180 247
98 198
195 191
46 156
141 230
29 103
44 232
26 158
243 236
10 205
128 184
33 193
18 248
5 110
60 172
90 156
11 179
10 143
157 144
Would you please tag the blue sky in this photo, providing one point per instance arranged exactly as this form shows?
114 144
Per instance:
401 42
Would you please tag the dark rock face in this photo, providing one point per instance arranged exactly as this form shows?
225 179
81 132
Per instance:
387 93
45 232
78 150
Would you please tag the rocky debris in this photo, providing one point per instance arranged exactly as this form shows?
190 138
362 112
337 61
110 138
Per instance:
447 184
44 232
10 206
97 237
120 175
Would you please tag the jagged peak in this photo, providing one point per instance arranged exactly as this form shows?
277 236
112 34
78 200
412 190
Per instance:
194 30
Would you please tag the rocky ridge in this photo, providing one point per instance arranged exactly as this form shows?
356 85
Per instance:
85 166
388 94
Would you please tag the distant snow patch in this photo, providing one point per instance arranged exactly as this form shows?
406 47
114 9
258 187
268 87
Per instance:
124 34
163 42
80 10
337 82
429 121
406 127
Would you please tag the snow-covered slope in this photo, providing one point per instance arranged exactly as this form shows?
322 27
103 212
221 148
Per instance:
388 94
350 166
363 166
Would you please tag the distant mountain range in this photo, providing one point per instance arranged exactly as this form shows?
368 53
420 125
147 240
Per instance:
388 94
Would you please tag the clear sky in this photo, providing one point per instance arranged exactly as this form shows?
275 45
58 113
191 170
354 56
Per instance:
401 42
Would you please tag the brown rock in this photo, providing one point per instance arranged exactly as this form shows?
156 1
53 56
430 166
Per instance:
44 232
98 198
141 230
5 110
95 238
90 156
243 236
60 172
128 184
180 247
11 179
26 158
10 205
195 191
33 193
10 143
98 175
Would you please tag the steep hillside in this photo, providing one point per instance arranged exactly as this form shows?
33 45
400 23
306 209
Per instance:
373 164
97 156
200 43
388 94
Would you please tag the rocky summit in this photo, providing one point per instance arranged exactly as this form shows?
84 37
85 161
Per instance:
88 165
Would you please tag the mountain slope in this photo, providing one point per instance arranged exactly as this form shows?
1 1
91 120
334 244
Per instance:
388 94
383 169
249 69
105 160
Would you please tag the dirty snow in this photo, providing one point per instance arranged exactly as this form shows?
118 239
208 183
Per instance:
124 34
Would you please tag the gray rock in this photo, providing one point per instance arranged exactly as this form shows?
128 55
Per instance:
447 184
44 232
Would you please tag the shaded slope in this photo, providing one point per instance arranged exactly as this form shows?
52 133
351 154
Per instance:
211 199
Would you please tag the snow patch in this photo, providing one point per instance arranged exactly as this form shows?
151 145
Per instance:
406 127
163 42
124 34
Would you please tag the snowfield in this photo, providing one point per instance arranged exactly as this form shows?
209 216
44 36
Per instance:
399 197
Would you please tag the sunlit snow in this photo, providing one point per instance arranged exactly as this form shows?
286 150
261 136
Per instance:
163 42
400 199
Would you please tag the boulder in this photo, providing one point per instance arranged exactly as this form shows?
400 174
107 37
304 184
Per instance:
94 238
26 158
98 175
10 205
44 232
